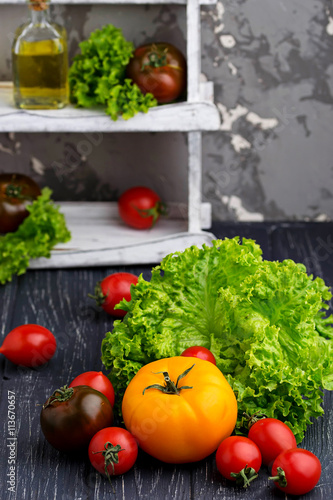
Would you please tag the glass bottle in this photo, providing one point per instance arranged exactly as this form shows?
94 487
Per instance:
40 61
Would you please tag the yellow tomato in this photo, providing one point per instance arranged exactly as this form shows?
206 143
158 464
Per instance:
184 420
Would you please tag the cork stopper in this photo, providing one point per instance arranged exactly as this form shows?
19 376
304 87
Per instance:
39 5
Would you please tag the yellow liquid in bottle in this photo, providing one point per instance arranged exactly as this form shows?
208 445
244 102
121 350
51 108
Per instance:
40 73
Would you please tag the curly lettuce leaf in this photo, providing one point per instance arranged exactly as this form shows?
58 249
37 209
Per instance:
44 228
97 75
264 322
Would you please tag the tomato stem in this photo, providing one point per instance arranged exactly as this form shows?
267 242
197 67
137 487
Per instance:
245 476
111 457
99 296
60 395
156 58
158 209
169 386
252 419
14 191
280 478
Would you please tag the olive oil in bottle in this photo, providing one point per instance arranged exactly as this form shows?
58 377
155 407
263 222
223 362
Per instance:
40 61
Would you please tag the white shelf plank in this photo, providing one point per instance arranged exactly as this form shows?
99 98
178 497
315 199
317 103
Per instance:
182 117
114 2
100 238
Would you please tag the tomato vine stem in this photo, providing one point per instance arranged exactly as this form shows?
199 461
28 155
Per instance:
60 395
111 457
158 209
245 476
169 386
99 296
280 478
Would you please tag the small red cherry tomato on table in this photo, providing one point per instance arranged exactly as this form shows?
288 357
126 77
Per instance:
197 351
140 207
98 381
112 289
239 459
71 416
296 471
159 68
113 451
272 437
29 345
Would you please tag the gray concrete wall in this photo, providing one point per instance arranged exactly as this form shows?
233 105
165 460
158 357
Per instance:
272 65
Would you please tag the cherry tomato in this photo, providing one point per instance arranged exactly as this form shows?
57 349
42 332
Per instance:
29 345
113 451
140 207
98 381
272 437
16 192
239 459
159 68
197 351
296 471
112 289
72 415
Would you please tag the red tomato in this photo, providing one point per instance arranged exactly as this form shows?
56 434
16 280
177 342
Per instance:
197 351
272 437
296 471
140 207
159 68
98 381
112 289
16 192
113 451
72 415
29 345
239 459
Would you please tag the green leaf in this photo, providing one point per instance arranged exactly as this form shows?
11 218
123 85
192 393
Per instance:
44 228
264 322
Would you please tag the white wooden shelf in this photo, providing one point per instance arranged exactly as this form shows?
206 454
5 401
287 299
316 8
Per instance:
182 117
114 2
99 237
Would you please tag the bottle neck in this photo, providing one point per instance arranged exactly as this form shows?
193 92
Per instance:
39 12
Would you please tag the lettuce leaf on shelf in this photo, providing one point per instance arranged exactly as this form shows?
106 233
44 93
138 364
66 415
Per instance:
265 322
44 228
97 76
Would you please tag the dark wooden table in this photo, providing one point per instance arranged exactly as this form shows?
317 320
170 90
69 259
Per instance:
58 300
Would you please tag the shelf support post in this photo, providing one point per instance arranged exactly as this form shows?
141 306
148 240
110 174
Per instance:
194 181
193 50
193 95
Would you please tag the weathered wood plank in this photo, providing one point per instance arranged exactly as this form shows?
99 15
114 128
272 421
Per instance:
58 300
114 2
189 116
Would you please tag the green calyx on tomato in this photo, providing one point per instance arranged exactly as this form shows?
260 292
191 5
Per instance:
98 296
111 456
252 419
60 395
245 476
14 191
158 209
280 478
170 387
156 59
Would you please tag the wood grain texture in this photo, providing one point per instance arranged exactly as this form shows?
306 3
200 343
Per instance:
58 300
190 116
114 2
